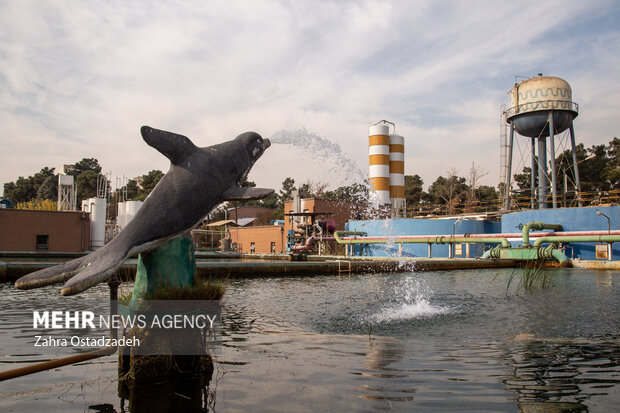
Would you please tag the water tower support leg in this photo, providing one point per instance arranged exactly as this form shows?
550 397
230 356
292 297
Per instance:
542 176
509 170
554 177
533 174
575 167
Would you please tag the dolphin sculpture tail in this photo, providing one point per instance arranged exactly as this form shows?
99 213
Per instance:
95 267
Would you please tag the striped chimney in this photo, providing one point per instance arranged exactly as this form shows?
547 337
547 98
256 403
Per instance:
379 163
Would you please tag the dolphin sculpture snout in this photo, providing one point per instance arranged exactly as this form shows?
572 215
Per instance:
266 143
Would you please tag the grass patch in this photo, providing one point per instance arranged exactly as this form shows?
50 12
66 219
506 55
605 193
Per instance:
203 291
531 276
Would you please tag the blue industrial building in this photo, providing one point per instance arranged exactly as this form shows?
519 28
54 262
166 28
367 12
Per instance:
571 219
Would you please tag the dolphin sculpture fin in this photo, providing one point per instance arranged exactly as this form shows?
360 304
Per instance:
244 194
99 269
91 269
52 275
174 147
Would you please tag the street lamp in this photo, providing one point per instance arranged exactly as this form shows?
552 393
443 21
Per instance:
454 225
452 246
600 214
565 179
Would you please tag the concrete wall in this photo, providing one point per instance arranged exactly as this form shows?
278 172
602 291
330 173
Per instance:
261 236
387 227
66 231
571 219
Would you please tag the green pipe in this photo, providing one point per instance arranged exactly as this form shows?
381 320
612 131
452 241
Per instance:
536 226
438 239
338 234
578 238
492 253
536 251
527 254
559 255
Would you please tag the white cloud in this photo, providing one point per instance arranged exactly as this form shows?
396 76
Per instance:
78 79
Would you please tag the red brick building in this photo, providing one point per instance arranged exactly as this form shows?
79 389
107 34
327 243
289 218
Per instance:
51 231
263 215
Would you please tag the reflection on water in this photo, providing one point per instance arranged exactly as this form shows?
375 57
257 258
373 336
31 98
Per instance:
417 341
563 373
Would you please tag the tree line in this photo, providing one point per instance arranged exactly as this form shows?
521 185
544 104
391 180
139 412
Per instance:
599 168
43 185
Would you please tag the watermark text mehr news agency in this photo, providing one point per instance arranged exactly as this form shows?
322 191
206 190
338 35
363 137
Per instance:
87 319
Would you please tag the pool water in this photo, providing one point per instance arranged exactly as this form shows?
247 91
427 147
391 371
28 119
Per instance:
428 341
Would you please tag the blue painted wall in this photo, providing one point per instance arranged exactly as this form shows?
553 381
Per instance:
387 227
571 219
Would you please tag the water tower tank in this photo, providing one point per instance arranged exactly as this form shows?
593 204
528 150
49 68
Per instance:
531 101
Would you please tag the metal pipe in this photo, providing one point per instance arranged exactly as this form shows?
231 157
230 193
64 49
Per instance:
554 177
545 234
560 256
542 174
532 174
339 234
48 365
578 238
527 254
536 225
78 358
508 235
509 169
492 253
436 239
309 243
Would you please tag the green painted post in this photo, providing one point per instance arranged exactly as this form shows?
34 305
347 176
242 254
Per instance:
171 265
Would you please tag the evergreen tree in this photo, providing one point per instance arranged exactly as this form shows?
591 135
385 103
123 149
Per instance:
149 181
414 191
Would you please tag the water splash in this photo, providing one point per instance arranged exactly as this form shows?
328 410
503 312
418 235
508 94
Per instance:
327 163
414 303
330 164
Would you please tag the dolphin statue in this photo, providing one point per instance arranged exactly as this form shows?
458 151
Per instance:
197 181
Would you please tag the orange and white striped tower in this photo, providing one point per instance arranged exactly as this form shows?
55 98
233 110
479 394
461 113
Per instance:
397 175
379 164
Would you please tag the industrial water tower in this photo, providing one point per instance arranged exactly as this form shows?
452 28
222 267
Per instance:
541 107
386 168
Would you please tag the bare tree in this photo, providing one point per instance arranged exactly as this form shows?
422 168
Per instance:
448 191
312 189
473 183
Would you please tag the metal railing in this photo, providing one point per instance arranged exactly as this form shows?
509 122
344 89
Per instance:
519 201
542 105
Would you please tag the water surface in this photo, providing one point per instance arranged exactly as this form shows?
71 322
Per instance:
431 341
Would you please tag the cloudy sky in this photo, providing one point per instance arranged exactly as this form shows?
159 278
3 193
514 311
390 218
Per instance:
79 78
